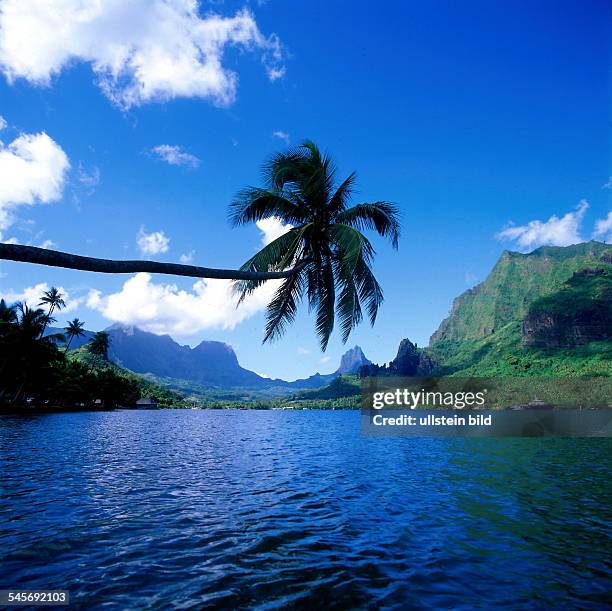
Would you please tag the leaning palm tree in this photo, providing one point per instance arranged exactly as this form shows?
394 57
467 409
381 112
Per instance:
325 246
55 300
75 328
324 255
99 344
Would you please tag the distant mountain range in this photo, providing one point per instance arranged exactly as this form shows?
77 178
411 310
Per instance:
210 364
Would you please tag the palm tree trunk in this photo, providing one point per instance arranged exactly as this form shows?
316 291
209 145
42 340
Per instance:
68 344
56 258
47 319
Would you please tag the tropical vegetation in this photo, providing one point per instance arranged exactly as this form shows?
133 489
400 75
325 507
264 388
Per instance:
36 373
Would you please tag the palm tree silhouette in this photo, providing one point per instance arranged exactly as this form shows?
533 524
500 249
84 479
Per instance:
8 314
55 300
325 247
32 322
74 329
99 344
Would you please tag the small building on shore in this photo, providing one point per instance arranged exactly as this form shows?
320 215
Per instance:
146 403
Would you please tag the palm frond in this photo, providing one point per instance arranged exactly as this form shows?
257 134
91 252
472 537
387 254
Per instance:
370 292
383 217
283 307
342 196
325 303
286 168
351 245
348 308
252 204
277 255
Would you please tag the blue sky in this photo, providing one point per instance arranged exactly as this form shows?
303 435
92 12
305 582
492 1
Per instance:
488 124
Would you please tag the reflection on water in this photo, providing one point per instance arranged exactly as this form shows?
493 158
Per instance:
279 509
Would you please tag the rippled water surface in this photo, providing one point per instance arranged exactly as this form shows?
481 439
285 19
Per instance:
196 509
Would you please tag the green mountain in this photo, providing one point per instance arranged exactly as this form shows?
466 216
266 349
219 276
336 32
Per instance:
548 312
514 283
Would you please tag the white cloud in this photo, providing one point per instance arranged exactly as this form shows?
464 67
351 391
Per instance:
302 351
553 232
89 178
276 73
175 155
32 294
3 122
187 257
608 184
152 243
140 51
325 359
48 244
603 228
32 170
272 228
164 308
281 135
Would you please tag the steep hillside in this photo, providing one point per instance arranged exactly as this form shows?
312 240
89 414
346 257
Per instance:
543 313
514 283
578 313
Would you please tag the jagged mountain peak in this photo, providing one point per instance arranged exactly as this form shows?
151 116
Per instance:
352 360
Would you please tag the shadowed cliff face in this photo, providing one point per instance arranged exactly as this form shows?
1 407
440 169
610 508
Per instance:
579 313
411 361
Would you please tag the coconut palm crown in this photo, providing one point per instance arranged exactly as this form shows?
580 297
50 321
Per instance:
75 328
325 245
55 300
99 344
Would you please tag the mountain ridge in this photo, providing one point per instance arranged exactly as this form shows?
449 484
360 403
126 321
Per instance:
210 364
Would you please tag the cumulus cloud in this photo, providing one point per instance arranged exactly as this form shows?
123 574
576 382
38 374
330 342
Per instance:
175 155
165 308
140 51
603 228
187 257
281 135
152 243
32 170
272 228
32 294
608 184
3 122
555 231
47 244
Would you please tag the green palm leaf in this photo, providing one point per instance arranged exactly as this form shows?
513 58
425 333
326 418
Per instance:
379 216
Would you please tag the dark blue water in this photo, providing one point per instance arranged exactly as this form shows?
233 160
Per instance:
269 510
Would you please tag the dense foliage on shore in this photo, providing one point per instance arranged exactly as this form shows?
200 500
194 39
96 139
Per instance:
39 371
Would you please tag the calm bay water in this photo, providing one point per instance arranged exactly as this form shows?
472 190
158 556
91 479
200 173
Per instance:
195 509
